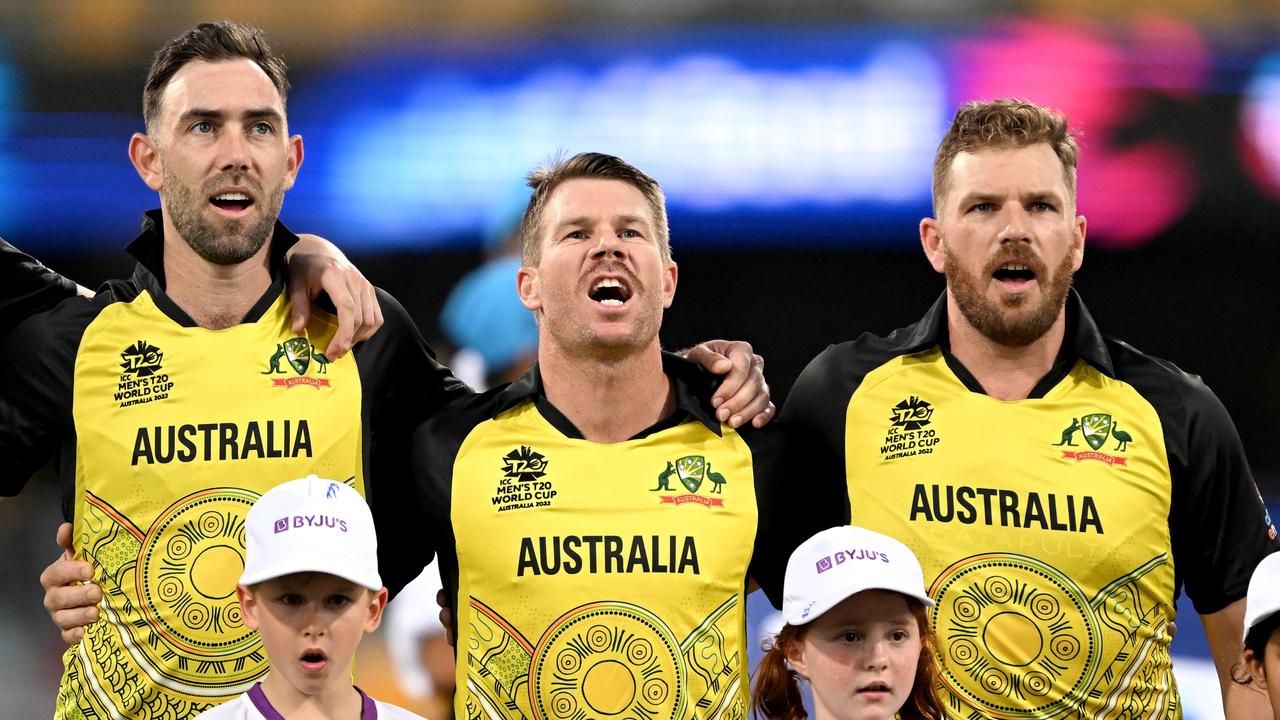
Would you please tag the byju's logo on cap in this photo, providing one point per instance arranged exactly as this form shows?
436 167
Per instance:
301 521
844 556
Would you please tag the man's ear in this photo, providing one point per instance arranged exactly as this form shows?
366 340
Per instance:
670 274
933 244
1077 241
377 603
529 288
145 157
248 606
294 161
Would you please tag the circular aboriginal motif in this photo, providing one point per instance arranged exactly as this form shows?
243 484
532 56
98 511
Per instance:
608 659
187 572
1016 637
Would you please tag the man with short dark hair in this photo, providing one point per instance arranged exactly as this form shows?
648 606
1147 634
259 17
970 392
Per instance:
160 398
596 524
1059 486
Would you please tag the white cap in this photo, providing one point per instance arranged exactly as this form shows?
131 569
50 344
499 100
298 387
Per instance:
842 561
1264 592
311 525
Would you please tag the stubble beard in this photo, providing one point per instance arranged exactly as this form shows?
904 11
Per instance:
1006 322
583 340
237 240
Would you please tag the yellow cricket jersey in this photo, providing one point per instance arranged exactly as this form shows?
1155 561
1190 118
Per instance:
168 433
1054 532
592 580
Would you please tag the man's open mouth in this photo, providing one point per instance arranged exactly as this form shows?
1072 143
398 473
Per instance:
232 201
610 292
1017 272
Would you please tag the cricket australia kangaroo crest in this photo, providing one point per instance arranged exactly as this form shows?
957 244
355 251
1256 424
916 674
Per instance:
691 471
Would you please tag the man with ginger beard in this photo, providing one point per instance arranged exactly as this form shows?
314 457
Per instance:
1060 487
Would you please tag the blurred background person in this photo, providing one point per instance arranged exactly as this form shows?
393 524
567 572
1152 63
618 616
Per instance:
494 336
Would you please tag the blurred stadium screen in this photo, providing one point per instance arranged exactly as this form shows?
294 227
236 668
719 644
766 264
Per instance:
801 137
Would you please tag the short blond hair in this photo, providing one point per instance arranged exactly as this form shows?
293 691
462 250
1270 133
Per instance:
1004 123
545 179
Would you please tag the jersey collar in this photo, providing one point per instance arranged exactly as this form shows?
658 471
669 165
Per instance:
148 250
694 387
368 708
1083 339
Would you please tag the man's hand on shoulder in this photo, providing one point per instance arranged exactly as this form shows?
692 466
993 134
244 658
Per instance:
72 601
743 395
446 616
317 265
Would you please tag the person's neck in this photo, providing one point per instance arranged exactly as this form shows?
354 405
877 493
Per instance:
339 702
608 398
215 296
1004 372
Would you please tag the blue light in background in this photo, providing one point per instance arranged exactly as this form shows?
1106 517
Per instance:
8 101
72 183
760 136
772 134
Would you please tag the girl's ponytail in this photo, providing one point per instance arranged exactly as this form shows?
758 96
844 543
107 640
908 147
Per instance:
776 695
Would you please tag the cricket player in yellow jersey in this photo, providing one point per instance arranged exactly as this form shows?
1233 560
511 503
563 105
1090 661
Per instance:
596 524
1059 487
175 398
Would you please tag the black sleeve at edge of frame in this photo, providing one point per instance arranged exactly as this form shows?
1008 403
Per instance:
37 360
28 287
1218 525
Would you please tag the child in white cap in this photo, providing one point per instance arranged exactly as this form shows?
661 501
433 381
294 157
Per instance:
311 589
856 629
1262 631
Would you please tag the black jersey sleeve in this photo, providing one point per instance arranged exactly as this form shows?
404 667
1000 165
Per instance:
404 386
1218 524
27 287
813 419
791 507
814 416
436 444
37 360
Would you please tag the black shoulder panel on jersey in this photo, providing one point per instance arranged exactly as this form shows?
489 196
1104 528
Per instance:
403 386
37 360
791 506
436 443
813 416
27 286
1217 521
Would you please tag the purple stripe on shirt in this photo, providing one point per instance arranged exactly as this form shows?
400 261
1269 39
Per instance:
260 701
368 708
